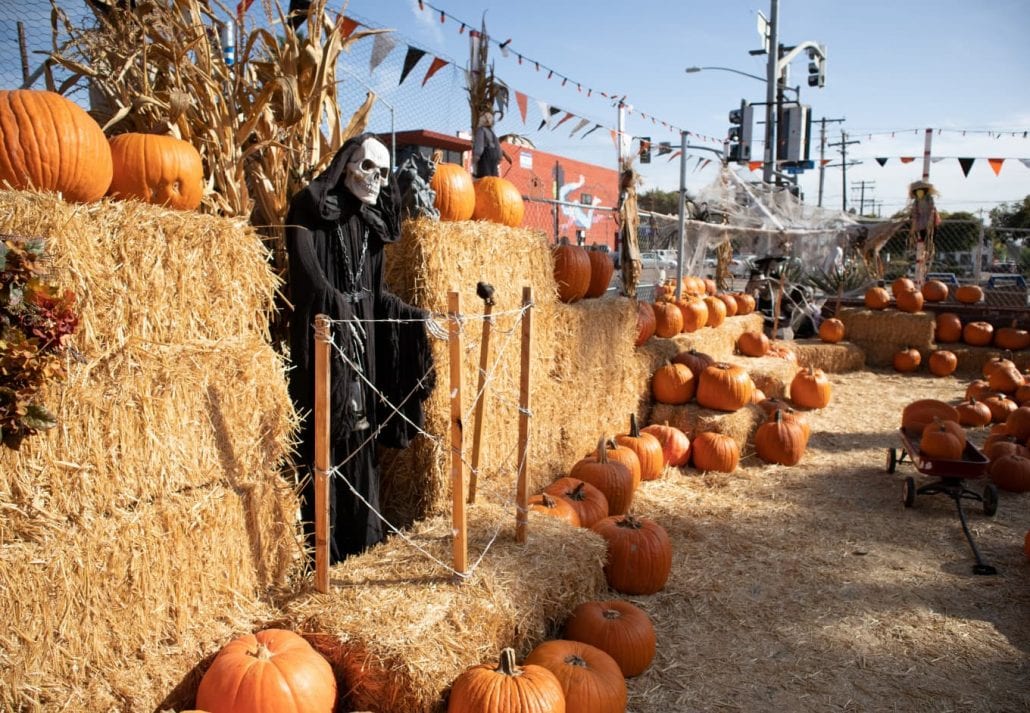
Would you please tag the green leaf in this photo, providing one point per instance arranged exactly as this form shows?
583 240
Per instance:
38 418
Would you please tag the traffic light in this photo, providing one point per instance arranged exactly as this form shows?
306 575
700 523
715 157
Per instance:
817 68
645 149
794 133
740 133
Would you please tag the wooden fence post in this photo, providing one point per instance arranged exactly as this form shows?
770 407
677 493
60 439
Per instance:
459 524
322 420
484 359
522 494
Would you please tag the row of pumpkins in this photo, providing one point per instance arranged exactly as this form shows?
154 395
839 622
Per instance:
949 329
910 298
700 305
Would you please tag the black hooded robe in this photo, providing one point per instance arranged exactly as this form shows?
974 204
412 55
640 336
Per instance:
333 272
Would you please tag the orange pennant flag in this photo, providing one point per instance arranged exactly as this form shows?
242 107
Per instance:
996 164
347 27
614 139
908 159
435 67
754 165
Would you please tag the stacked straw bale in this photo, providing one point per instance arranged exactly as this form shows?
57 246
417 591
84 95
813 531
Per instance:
692 419
398 629
719 343
145 530
882 333
585 377
838 358
971 359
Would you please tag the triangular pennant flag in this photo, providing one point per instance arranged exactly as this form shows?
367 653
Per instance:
754 165
1025 162
504 47
674 154
596 127
996 164
908 159
705 164
582 123
823 161
522 100
544 111
410 60
568 115
347 26
435 67
966 164
548 115
698 164
382 46
614 139
881 161
935 159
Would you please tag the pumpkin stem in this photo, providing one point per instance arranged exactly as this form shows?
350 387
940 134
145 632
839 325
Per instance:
602 453
574 660
634 429
578 492
506 664
262 653
547 501
612 614
630 521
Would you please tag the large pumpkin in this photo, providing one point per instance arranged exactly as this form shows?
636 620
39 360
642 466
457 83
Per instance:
647 447
612 477
934 291
602 267
668 319
919 414
499 201
810 388
622 630
831 330
161 170
272 670
780 440
571 271
590 679
877 298
673 384
969 294
645 322
455 194
942 362
715 451
639 554
587 500
947 327
556 507
675 443
1012 338
724 387
50 143
1011 473
506 688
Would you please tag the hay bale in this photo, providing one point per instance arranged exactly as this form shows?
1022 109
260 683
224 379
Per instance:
881 333
398 629
971 359
771 374
582 355
692 419
837 358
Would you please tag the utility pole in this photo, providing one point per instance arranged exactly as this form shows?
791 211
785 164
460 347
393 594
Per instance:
772 81
843 144
822 154
861 185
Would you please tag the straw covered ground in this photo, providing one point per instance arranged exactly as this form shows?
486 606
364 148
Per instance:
148 527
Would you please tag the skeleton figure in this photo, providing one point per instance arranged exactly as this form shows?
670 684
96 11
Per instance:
368 171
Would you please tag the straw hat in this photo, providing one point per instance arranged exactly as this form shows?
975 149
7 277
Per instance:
925 185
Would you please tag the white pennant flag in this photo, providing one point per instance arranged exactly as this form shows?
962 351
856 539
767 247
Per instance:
381 48
1025 162
580 125
935 159
545 111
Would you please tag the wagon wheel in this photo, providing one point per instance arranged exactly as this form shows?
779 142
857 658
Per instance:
990 499
909 492
892 460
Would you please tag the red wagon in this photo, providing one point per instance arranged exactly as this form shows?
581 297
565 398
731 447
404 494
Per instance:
950 479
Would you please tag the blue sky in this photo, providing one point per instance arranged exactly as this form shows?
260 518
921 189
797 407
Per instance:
893 70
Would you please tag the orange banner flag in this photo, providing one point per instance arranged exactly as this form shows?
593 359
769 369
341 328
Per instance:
435 67
754 165
996 164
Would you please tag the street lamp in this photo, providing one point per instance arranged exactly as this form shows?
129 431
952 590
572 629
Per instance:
694 70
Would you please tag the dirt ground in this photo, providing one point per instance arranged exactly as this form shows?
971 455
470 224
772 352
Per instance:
812 588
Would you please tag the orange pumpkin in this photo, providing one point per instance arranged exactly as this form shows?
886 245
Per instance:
571 271
939 440
591 680
272 670
1012 338
506 688
977 334
587 500
161 170
694 360
947 327
901 284
639 554
753 344
613 478
779 440
716 311
715 452
811 389
622 630
50 143
498 201
645 322
745 303
673 384
907 360
909 299
1005 379
602 267
455 193
555 507
695 313
942 362
730 302
1011 473
831 330
876 298
935 291
675 443
647 447
668 319
973 413
1001 406
724 387
919 414
969 294
1018 423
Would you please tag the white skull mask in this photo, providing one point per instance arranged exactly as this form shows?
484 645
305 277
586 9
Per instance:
367 171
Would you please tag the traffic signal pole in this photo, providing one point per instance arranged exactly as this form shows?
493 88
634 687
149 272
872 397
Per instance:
772 80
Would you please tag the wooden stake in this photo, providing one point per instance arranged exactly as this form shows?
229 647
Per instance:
522 494
484 358
322 417
460 526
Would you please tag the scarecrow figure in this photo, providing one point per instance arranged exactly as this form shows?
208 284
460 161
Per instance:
337 227
922 225
627 220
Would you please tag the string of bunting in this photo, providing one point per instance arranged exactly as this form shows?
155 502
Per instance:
965 163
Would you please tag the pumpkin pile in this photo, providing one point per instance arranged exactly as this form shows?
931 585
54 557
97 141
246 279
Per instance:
52 144
700 305
583 274
490 198
949 329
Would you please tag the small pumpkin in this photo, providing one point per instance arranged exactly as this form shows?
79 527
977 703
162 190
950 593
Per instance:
993 363
810 388
716 311
909 299
1001 406
947 328
619 628
876 298
695 313
730 302
724 387
978 388
639 553
455 193
587 500
673 384
693 359
935 291
1005 379
977 334
591 680
939 440
506 688
907 360
273 669
1018 423
745 303
647 447
553 506
831 330
715 451
675 443
753 344
973 413
668 319
901 284
942 362
571 271
612 477
969 294
161 170
645 322
498 201
602 267
780 441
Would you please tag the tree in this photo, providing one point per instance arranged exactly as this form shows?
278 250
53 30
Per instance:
1011 215
657 201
